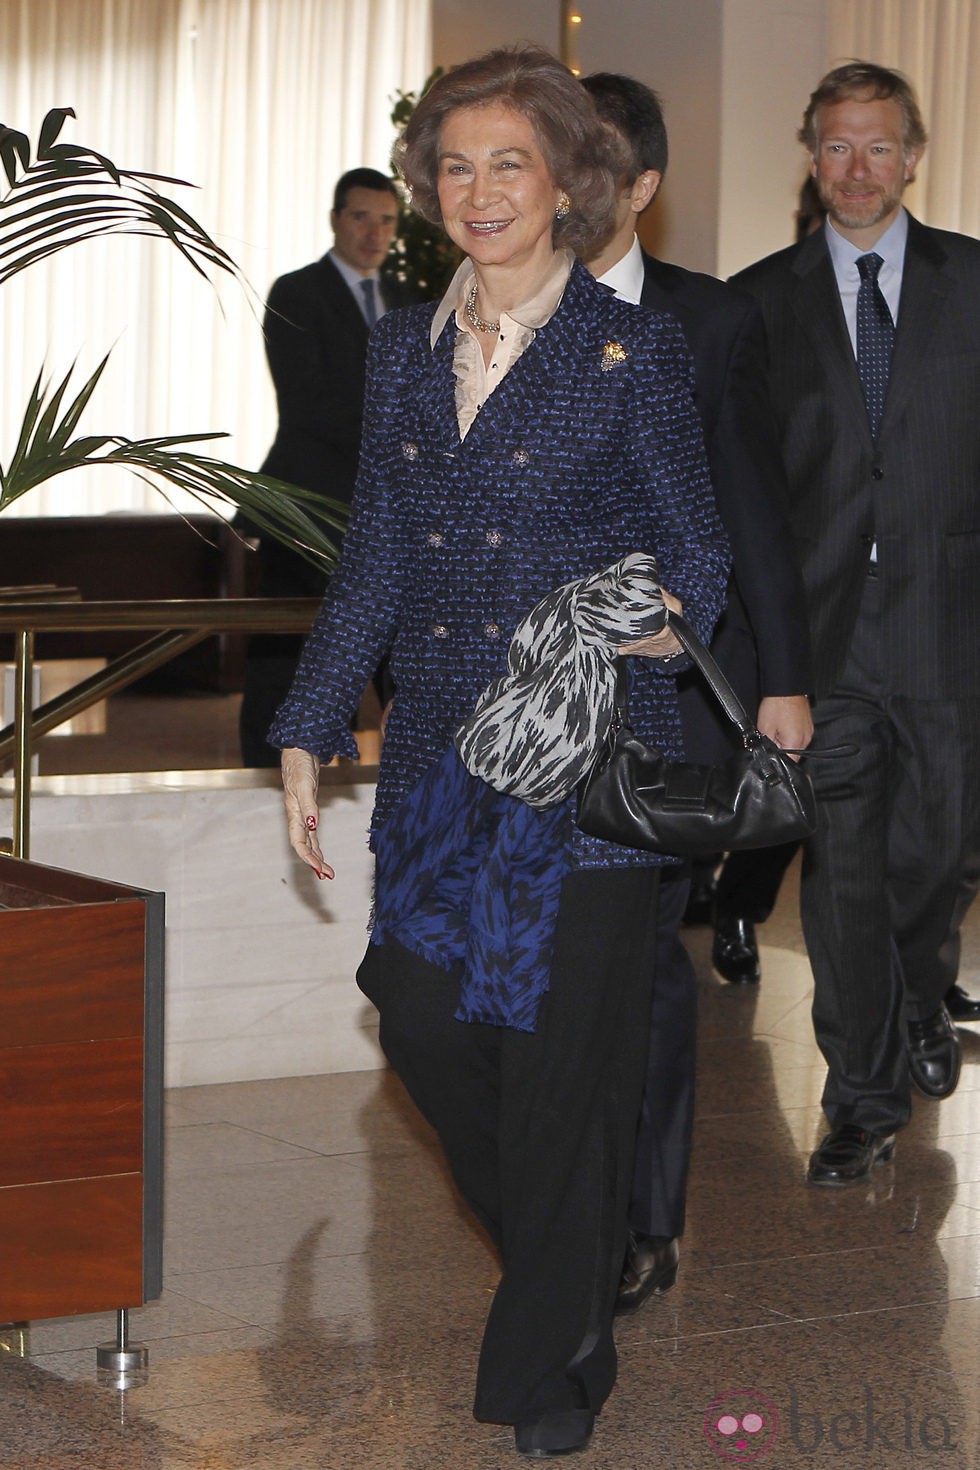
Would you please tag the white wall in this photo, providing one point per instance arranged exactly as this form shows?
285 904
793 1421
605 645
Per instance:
260 958
462 28
676 49
773 55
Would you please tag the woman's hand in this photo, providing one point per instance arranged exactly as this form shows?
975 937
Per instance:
658 645
299 777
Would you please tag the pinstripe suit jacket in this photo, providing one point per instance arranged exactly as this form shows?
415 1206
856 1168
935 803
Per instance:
917 492
762 638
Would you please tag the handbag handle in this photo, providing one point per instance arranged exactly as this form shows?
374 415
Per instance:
720 687
750 733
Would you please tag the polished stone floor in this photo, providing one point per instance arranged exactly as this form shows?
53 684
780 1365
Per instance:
324 1295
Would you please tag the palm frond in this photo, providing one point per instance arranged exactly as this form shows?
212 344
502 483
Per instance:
67 193
70 193
45 448
15 148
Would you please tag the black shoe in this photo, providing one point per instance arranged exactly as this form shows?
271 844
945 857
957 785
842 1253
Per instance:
650 1270
701 903
848 1154
734 952
960 1006
554 1434
934 1054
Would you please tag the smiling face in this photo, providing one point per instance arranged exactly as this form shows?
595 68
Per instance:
496 193
861 166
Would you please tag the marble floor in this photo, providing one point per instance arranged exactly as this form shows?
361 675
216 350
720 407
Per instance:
324 1294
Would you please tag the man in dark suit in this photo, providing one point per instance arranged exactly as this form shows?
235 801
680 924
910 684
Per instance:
316 331
874 338
761 640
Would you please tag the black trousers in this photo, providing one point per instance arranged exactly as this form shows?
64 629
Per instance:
749 882
539 1132
889 875
271 658
663 1140
270 665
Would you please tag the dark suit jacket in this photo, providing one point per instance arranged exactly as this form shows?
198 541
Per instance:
917 493
316 341
762 640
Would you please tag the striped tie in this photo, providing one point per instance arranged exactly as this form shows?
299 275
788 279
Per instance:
370 305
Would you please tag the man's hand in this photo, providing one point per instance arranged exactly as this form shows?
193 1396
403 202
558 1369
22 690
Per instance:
300 770
786 719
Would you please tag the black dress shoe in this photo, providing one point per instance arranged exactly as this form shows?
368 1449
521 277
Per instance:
934 1054
960 1006
650 1270
848 1154
554 1434
734 952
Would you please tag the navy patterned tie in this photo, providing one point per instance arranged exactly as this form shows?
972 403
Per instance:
875 339
370 305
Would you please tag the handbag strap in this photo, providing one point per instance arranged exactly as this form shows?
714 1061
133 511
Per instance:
719 685
750 733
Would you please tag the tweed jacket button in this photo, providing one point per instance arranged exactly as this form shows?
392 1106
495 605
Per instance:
434 538
521 458
492 630
495 537
410 451
439 630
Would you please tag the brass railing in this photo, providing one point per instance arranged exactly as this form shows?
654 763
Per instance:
182 623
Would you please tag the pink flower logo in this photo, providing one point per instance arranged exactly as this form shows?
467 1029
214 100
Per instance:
741 1425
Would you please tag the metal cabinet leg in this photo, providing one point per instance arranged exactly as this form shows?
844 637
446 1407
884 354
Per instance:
123 1359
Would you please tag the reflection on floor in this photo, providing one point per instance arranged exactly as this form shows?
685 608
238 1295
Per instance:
324 1296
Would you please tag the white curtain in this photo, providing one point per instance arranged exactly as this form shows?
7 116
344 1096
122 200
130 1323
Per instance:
936 43
261 104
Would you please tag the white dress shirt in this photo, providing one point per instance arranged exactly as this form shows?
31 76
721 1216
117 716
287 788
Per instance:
626 276
355 281
844 257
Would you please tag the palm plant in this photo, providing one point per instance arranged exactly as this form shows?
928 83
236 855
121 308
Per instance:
66 194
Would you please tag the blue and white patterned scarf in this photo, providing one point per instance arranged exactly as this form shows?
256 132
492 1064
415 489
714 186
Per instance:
536 730
470 866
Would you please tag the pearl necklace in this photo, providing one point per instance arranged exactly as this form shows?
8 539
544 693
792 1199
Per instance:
473 318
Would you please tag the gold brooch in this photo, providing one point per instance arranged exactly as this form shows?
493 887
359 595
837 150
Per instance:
613 354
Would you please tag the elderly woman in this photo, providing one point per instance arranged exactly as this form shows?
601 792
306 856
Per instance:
527 431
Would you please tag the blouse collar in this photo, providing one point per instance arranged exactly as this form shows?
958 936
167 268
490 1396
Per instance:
531 314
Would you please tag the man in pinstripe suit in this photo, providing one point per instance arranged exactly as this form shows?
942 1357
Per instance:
885 507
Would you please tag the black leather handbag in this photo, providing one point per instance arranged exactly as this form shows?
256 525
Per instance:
757 798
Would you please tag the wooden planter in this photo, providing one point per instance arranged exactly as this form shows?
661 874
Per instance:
81 1092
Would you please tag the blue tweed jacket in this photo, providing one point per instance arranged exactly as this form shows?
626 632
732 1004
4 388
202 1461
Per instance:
590 448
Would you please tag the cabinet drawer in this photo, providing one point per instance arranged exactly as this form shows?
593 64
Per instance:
71 1111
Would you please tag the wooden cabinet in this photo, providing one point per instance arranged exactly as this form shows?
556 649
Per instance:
81 1090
